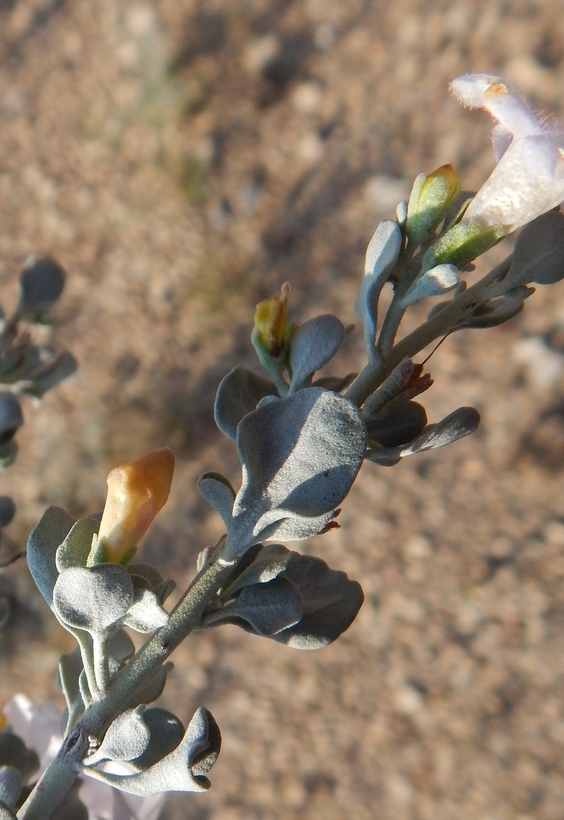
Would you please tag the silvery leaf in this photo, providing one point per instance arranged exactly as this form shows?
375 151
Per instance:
329 599
70 669
300 456
93 598
84 689
150 574
321 602
127 738
495 312
7 814
7 510
391 387
8 453
238 394
539 252
166 733
266 608
288 525
50 532
381 256
10 786
218 492
313 345
268 563
145 613
458 424
162 591
146 576
75 549
435 282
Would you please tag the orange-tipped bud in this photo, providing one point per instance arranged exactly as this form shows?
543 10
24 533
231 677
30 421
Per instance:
271 321
136 492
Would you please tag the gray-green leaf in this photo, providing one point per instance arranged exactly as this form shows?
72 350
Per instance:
300 457
50 532
238 394
313 345
93 598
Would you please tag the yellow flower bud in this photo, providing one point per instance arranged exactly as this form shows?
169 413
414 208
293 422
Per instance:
136 492
271 321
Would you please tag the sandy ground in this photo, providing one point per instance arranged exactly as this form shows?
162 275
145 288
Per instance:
182 160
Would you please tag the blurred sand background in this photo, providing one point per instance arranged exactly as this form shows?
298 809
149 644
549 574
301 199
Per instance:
182 159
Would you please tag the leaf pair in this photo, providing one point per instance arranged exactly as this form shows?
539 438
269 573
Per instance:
161 755
293 599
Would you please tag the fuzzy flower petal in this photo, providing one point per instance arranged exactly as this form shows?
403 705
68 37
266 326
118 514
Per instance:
529 177
499 99
527 181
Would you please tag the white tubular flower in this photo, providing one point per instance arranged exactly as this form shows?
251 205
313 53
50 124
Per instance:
529 177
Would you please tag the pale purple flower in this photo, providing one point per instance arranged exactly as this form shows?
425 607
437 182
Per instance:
528 179
40 729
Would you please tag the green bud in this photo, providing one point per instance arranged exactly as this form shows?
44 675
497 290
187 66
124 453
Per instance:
461 244
430 199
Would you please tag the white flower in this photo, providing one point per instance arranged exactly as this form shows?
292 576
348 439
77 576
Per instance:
38 726
40 729
528 179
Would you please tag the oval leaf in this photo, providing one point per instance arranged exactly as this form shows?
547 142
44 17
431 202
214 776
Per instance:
93 598
313 345
217 491
127 738
75 549
458 424
330 601
50 532
381 256
539 252
238 394
300 456
266 608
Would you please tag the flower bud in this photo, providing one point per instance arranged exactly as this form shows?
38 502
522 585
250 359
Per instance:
430 199
461 244
271 321
136 492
